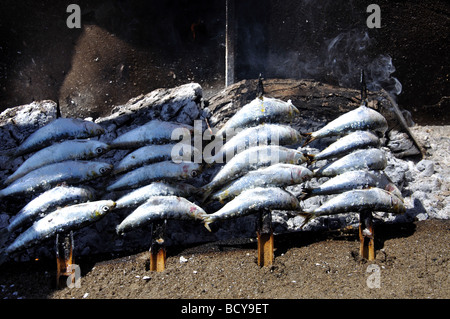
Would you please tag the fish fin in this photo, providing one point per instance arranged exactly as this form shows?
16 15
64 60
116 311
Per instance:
309 139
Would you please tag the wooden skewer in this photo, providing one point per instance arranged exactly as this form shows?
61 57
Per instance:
158 247
366 235
64 259
264 234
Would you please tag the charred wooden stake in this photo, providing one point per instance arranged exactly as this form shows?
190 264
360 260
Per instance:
158 247
264 233
366 235
64 259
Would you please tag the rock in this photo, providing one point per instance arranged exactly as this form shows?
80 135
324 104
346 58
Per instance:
426 167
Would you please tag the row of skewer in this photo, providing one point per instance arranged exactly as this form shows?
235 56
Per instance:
253 180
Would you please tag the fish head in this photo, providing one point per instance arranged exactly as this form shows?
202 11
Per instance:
98 148
302 174
297 158
104 207
93 128
100 169
397 205
196 213
293 110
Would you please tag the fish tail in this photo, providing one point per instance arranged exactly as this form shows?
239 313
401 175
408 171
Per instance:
206 221
310 158
119 230
306 193
309 139
206 190
307 216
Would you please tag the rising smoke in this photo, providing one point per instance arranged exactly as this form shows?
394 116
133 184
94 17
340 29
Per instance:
323 40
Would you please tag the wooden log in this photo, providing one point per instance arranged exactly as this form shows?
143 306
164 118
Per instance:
265 238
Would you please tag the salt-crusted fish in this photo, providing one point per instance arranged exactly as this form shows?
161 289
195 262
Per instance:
350 180
369 159
347 144
362 118
60 152
264 134
373 199
61 221
142 194
253 200
56 197
153 132
156 153
277 175
49 176
252 159
61 128
260 110
153 172
161 207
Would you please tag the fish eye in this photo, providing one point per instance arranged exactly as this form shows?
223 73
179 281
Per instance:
99 150
299 161
194 173
103 170
105 208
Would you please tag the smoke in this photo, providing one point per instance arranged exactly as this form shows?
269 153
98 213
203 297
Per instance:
349 52
323 40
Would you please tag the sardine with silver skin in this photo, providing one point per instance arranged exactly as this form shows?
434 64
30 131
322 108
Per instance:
264 134
154 153
61 221
142 194
362 118
60 152
277 175
374 199
347 144
253 200
370 159
161 207
153 172
49 176
153 132
61 128
260 110
251 159
350 180
44 203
